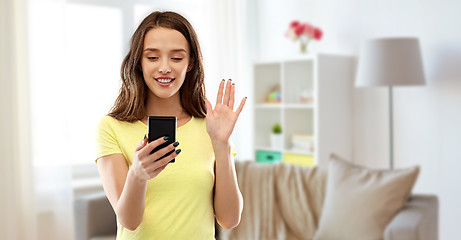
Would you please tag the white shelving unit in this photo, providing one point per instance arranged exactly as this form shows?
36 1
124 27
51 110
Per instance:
329 79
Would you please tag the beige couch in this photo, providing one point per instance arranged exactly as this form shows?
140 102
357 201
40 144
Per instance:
417 220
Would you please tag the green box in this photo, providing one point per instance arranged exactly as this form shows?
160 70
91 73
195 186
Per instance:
268 156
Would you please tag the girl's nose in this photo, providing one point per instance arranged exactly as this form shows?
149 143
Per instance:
160 70
164 68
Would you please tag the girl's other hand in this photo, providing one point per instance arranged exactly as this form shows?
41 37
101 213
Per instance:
221 120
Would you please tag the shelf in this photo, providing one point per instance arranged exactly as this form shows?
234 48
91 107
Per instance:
299 106
289 151
299 152
315 92
269 155
268 106
269 149
265 118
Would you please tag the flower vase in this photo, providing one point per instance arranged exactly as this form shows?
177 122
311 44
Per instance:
304 46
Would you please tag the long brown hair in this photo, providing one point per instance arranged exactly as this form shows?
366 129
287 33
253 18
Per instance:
130 103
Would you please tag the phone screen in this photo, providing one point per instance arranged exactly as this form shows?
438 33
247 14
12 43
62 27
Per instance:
160 127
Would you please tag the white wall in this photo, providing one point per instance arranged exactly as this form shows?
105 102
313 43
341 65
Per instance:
427 120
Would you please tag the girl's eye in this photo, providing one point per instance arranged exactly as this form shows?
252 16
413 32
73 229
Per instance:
177 59
152 58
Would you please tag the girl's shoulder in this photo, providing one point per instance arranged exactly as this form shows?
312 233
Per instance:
110 122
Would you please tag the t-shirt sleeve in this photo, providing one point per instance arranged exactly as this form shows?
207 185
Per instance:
106 141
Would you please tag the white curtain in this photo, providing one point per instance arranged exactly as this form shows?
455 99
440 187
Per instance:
232 58
17 220
49 104
35 195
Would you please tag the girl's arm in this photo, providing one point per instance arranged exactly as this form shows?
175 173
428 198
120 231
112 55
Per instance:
220 121
228 201
126 187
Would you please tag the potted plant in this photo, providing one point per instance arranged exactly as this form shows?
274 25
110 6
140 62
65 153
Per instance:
276 136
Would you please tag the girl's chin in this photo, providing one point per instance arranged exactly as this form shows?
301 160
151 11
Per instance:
165 94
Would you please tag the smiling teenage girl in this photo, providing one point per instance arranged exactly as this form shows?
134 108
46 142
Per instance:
162 75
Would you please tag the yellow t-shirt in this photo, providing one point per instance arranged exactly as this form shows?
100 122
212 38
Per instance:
179 201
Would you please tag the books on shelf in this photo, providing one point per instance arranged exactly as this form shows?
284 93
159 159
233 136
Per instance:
302 142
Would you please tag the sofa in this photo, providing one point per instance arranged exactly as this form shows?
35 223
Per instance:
94 218
416 220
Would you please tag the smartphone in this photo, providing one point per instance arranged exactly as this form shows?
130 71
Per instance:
159 127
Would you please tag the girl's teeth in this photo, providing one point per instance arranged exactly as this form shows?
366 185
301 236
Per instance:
164 80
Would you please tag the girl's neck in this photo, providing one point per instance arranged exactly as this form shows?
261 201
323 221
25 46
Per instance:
171 106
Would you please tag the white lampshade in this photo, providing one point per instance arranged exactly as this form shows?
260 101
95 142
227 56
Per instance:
390 62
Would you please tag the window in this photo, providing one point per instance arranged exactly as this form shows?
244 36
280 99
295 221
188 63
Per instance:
93 50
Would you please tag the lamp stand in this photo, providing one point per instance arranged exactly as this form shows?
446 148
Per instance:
391 131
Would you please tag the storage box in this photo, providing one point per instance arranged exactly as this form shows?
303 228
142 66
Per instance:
268 156
299 159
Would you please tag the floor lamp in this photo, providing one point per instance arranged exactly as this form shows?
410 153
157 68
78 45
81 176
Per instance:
390 62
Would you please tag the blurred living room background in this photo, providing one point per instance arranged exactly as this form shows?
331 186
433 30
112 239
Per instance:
60 73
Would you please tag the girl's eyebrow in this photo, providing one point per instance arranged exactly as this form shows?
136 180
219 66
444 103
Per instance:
157 50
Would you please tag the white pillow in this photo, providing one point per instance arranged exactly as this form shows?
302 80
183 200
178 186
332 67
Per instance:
360 202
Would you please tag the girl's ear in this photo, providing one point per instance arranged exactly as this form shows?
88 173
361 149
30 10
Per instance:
190 66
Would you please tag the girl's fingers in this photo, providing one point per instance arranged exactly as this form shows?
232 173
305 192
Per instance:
227 93
232 96
161 152
220 92
242 103
209 108
158 171
166 160
150 146
162 163
142 143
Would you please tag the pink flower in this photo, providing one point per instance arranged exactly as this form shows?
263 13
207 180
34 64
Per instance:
294 24
309 30
299 29
303 31
317 34
288 33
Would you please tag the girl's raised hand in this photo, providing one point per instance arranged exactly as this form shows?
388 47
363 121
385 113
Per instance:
221 120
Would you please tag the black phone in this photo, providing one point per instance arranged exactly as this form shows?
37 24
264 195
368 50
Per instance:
159 127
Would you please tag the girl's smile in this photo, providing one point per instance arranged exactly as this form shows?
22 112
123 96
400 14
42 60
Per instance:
164 81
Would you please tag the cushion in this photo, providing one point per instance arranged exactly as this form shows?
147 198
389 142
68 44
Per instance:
360 202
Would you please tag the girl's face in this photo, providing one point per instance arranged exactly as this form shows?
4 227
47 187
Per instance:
165 60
